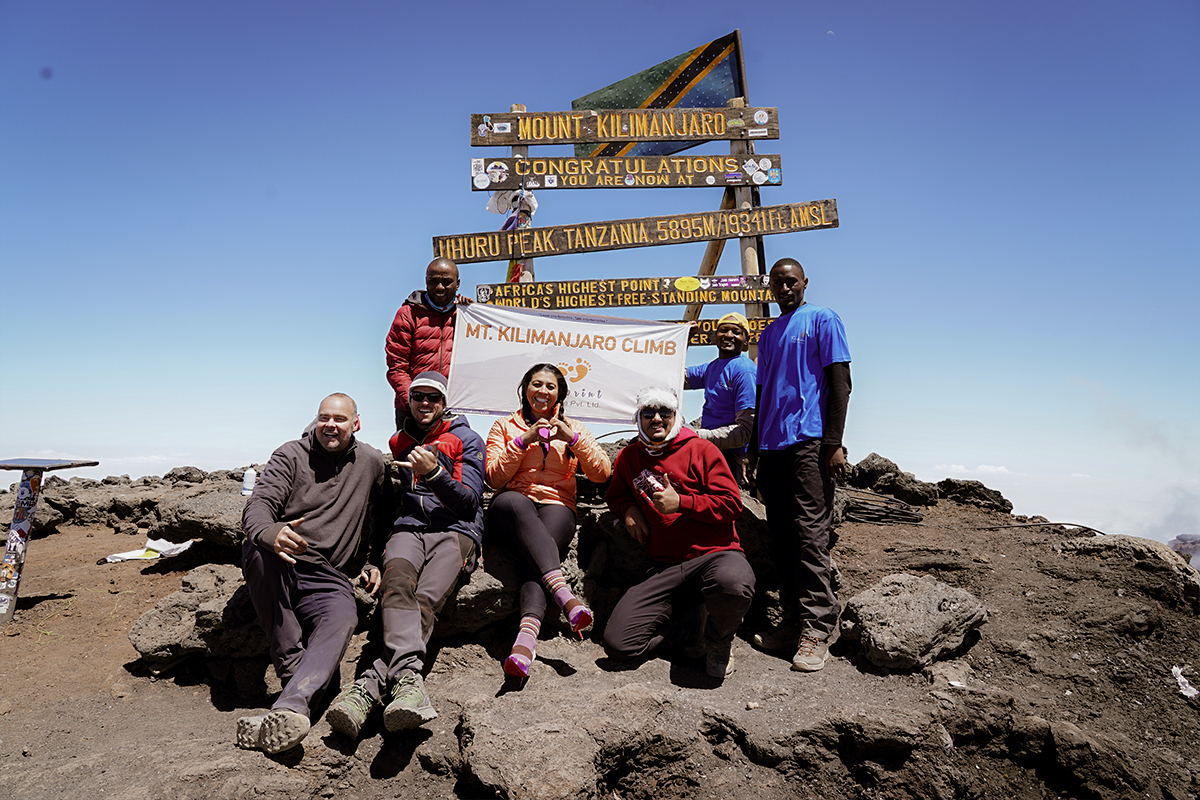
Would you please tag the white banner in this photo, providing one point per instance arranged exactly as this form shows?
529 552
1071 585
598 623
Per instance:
606 360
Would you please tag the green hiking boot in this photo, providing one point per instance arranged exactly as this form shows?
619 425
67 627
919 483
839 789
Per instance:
350 710
410 704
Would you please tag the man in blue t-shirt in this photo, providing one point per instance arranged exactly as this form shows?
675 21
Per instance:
804 389
729 394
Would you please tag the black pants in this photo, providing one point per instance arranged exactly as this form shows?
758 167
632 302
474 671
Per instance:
723 581
799 500
308 613
539 534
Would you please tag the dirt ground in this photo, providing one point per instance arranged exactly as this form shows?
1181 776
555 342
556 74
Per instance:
1073 639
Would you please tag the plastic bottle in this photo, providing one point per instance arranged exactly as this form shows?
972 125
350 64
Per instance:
248 481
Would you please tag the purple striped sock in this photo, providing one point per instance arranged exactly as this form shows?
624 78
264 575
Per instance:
556 584
577 613
518 662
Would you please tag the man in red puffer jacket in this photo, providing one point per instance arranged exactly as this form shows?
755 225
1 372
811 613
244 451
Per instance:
422 334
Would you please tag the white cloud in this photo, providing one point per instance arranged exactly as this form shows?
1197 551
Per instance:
982 468
1180 517
1167 438
1080 475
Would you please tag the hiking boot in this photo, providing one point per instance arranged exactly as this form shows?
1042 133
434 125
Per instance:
780 638
686 633
350 710
718 668
410 704
281 729
247 731
812 654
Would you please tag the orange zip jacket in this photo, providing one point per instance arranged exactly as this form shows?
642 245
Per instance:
549 480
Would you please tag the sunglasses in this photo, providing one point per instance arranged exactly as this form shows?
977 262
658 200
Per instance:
425 397
651 413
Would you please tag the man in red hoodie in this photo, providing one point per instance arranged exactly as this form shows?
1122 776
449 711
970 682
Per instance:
422 334
675 493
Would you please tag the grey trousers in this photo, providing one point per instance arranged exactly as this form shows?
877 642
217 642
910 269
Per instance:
799 500
308 613
723 581
420 570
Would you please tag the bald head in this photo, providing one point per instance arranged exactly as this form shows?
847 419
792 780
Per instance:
441 281
343 398
337 420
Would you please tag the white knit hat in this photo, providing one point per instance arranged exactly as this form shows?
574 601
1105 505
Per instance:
657 397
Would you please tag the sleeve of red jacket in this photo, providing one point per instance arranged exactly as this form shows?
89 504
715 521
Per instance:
621 494
398 350
721 500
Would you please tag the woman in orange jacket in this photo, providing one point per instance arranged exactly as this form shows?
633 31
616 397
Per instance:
531 461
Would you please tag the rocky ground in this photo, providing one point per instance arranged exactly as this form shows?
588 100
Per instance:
1066 690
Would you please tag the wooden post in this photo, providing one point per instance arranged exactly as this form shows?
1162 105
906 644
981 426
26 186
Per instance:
742 198
525 264
712 254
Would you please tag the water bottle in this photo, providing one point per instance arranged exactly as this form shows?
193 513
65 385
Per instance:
248 481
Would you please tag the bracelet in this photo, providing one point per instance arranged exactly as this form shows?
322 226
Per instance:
573 441
520 445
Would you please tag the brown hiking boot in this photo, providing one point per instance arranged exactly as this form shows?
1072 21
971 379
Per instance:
811 655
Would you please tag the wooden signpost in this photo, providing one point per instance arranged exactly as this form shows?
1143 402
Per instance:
619 161
624 124
620 234
704 331
627 292
499 174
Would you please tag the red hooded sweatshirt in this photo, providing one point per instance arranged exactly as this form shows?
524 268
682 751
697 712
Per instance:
710 499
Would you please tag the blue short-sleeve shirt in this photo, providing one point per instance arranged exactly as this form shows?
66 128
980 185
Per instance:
792 355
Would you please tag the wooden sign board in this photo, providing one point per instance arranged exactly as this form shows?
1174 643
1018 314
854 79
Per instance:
590 237
705 330
499 174
624 125
627 292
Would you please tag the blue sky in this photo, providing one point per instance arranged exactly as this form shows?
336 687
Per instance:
210 211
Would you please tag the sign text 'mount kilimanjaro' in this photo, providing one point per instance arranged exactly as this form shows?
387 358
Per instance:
589 237
624 125
627 292
569 172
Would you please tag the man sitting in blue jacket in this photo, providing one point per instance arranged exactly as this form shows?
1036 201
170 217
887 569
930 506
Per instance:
436 538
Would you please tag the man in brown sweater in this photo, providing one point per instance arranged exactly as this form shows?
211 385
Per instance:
321 503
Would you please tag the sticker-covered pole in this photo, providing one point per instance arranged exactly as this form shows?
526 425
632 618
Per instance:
748 246
18 542
520 270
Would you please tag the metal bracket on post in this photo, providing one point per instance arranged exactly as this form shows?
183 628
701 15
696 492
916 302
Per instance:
18 532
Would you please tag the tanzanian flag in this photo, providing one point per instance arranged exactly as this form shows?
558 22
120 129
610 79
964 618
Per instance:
706 77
